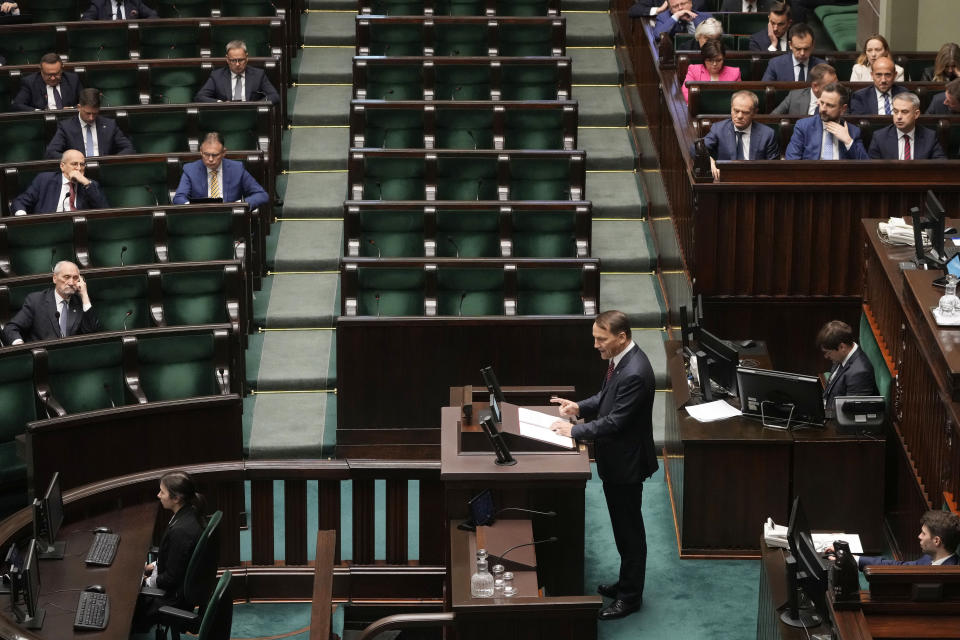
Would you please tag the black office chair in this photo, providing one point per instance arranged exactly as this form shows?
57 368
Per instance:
217 615
198 582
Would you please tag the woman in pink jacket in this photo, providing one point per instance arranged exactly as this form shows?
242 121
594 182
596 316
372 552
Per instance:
712 69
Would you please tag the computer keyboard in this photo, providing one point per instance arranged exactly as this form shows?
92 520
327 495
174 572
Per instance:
93 611
103 549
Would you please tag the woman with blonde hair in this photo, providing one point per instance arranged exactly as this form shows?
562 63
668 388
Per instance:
946 66
874 47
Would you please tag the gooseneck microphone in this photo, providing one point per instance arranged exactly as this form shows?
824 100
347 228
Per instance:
456 247
463 296
221 378
123 250
375 246
156 202
127 315
526 544
539 513
53 253
376 297
106 390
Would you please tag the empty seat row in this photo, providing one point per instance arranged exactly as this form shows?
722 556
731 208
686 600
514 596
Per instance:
469 287
460 36
464 125
466 175
455 78
467 230
461 7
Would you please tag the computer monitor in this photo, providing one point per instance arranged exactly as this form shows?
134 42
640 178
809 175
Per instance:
933 221
688 326
47 518
496 394
26 591
782 400
12 565
722 361
808 573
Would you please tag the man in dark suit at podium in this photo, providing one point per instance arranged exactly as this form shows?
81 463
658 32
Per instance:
852 372
619 421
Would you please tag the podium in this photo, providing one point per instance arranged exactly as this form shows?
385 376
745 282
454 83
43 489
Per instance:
546 478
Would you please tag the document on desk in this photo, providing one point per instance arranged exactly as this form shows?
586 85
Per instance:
823 540
536 425
712 411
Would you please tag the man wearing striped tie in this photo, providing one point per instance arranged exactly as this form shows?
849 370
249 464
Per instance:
214 176
65 190
878 99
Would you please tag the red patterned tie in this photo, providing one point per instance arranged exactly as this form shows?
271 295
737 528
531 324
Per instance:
906 148
73 197
609 372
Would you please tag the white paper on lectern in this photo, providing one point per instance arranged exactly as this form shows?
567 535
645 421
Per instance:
536 425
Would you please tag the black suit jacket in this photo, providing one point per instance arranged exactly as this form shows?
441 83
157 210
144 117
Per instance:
865 103
37 319
256 86
760 40
737 5
69 135
132 10
937 106
885 144
176 547
43 195
33 92
619 420
853 379
641 8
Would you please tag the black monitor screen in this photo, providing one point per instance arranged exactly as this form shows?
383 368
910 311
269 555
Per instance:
496 394
481 508
53 507
31 579
780 399
724 360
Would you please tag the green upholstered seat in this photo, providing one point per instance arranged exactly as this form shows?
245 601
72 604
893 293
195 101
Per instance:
746 23
534 129
27 47
176 85
841 25
400 292
525 39
87 377
176 367
98 44
193 236
194 297
117 87
881 374
18 293
464 129
459 7
126 185
36 248
182 8
715 100
166 42
394 82
237 126
469 292
461 39
521 7
544 234
394 128
22 142
115 296
529 82
395 39
549 291
108 237
159 132
539 179
255 36
456 82
397 234
17 403
393 179
399 8
248 8
476 234
466 178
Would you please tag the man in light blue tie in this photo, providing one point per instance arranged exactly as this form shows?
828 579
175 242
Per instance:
63 310
95 134
826 136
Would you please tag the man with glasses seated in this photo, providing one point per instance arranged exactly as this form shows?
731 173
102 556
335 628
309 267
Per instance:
65 190
51 88
238 83
213 176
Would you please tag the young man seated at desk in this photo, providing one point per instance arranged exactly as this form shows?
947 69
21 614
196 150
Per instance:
939 537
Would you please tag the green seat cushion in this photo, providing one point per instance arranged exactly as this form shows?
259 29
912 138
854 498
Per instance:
530 82
464 178
98 44
400 292
27 47
117 87
176 367
841 25
465 129
159 132
521 8
473 234
393 179
534 129
200 236
394 129
470 292
87 377
549 291
169 42
461 40
399 8
17 401
394 82
23 142
540 179
256 37
195 297
108 237
395 234
396 39
456 82
525 40
176 85
36 248
459 8
126 185
114 297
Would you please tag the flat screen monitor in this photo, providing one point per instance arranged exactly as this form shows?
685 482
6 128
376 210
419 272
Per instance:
782 400
26 591
496 394
47 518
810 573
12 565
723 360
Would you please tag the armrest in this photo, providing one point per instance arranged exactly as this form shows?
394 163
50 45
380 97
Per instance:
172 614
153 592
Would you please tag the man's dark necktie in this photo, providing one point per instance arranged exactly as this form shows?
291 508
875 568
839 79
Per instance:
740 155
609 372
64 309
57 98
73 196
801 77
238 88
120 10
906 148
886 103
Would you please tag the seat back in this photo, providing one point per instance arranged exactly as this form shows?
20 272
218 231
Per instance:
16 391
200 579
881 374
36 248
218 616
173 367
87 377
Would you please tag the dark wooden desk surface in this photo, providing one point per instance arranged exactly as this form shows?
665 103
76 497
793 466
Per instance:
62 580
773 598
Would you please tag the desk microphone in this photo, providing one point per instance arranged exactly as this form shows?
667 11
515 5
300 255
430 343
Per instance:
476 145
56 314
156 202
376 297
479 186
221 378
456 247
375 246
106 390
463 296
127 315
503 555
53 253
539 513
46 401
123 250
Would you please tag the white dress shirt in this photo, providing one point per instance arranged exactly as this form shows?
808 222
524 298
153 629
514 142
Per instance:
64 203
814 103
781 44
881 107
51 101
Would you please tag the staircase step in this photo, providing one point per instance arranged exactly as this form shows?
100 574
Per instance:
595 66
324 64
650 342
615 194
607 149
327 104
623 245
297 360
315 148
313 195
329 27
589 29
303 301
293 425
306 245
636 294
600 106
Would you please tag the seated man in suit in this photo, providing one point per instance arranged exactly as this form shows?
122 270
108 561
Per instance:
794 66
827 136
878 98
947 103
903 140
652 8
939 537
213 176
51 88
96 135
744 6
238 83
681 19
60 311
852 373
65 190
740 138
114 10
774 38
806 102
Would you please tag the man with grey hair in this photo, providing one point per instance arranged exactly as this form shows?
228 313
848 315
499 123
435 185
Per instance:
65 190
903 140
237 82
739 137
60 311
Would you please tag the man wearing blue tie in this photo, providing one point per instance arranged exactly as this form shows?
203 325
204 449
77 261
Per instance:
826 136
740 138
878 99
96 135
